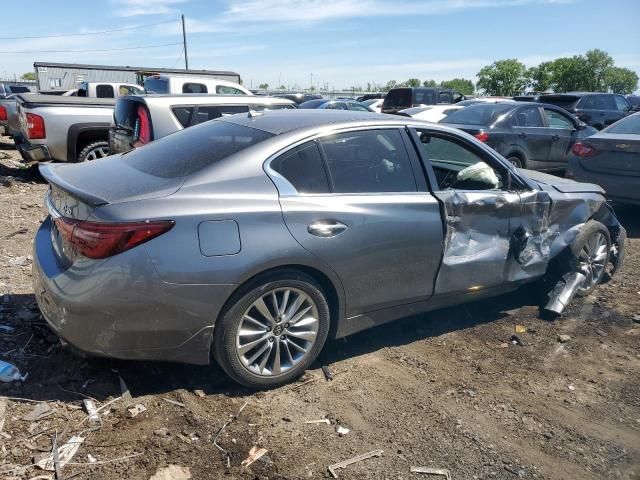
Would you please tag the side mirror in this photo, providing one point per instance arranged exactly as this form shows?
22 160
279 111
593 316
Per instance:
425 137
582 125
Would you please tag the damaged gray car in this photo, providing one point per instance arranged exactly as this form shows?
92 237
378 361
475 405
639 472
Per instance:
252 239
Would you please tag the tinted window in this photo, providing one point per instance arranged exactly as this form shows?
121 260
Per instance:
628 125
445 97
478 114
456 166
621 103
528 117
356 107
194 88
424 96
17 89
192 149
304 169
104 91
204 114
224 90
558 120
634 100
368 162
564 101
334 106
400 97
183 114
312 103
125 113
597 102
156 85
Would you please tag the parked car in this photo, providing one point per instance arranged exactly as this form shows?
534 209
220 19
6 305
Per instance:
173 84
7 89
138 120
477 100
252 239
634 100
611 159
374 104
104 90
370 96
335 105
299 98
596 109
66 129
8 114
430 113
529 135
407 97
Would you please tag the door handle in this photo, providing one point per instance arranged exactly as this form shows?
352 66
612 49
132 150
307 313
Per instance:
326 229
555 138
523 135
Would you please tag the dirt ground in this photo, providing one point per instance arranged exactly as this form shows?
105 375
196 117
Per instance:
445 390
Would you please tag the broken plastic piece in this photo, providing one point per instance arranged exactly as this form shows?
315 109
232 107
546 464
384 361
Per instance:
91 409
136 410
10 373
322 420
564 291
346 463
254 454
432 471
65 453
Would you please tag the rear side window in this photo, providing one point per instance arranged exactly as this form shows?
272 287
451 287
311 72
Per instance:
558 120
445 97
129 90
369 161
426 97
628 126
193 149
597 102
225 90
156 85
621 103
400 97
478 114
194 88
304 169
104 91
528 117
17 89
183 114
204 114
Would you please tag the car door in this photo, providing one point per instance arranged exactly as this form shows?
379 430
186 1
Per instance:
371 219
563 131
481 213
530 133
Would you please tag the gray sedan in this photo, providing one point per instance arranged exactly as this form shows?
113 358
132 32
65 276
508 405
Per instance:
254 238
611 159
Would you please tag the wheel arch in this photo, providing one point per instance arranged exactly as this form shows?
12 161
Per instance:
518 153
81 134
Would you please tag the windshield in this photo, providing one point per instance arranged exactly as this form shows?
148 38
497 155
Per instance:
156 85
187 151
627 126
478 114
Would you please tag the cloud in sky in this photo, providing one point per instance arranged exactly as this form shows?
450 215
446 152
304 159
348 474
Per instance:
133 8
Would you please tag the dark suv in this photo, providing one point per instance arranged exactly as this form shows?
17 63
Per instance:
596 109
406 97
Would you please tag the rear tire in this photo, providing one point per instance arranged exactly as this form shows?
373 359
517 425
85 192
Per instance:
516 161
94 151
272 330
591 249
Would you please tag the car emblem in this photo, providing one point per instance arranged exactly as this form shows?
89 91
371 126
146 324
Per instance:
67 210
622 145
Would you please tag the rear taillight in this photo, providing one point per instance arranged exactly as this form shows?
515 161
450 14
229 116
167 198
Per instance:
142 130
101 240
583 150
3 113
35 127
482 136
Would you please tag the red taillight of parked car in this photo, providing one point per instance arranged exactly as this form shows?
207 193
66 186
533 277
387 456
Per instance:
35 127
143 127
3 113
583 150
482 136
101 240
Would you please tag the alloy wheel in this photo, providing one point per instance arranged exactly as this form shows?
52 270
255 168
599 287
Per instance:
95 153
277 331
593 259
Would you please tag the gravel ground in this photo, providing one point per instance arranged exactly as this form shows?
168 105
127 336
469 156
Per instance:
444 390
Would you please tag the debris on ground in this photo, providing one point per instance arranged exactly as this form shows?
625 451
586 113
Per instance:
322 420
432 471
254 454
521 329
345 463
515 340
61 455
90 408
124 390
342 431
172 472
40 411
10 373
564 338
327 373
137 409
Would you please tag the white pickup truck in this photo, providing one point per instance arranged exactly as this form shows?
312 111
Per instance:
105 90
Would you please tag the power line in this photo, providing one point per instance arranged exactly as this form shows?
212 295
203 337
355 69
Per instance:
88 33
91 50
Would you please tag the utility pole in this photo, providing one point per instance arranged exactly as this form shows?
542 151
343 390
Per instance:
184 43
311 75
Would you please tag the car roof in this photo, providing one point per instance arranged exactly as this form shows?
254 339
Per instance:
202 98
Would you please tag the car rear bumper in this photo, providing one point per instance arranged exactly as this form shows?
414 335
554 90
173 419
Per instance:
620 188
119 308
33 153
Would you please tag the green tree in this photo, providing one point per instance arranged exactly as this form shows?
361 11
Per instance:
569 74
28 76
413 82
621 80
597 64
503 77
540 77
282 87
263 86
390 84
430 83
462 85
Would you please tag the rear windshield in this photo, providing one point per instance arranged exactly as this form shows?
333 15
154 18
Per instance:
629 125
478 114
18 89
400 97
563 102
156 85
312 103
193 149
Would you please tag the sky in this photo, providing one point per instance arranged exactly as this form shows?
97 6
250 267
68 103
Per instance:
332 43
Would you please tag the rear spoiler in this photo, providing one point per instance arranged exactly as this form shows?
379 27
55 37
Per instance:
49 172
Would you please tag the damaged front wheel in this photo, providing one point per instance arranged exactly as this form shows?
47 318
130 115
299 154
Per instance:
592 249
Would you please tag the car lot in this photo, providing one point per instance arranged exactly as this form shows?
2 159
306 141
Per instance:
448 389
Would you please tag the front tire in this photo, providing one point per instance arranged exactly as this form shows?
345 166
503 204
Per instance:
273 330
516 161
591 249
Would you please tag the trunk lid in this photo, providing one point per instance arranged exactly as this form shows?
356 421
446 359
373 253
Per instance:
615 154
564 185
